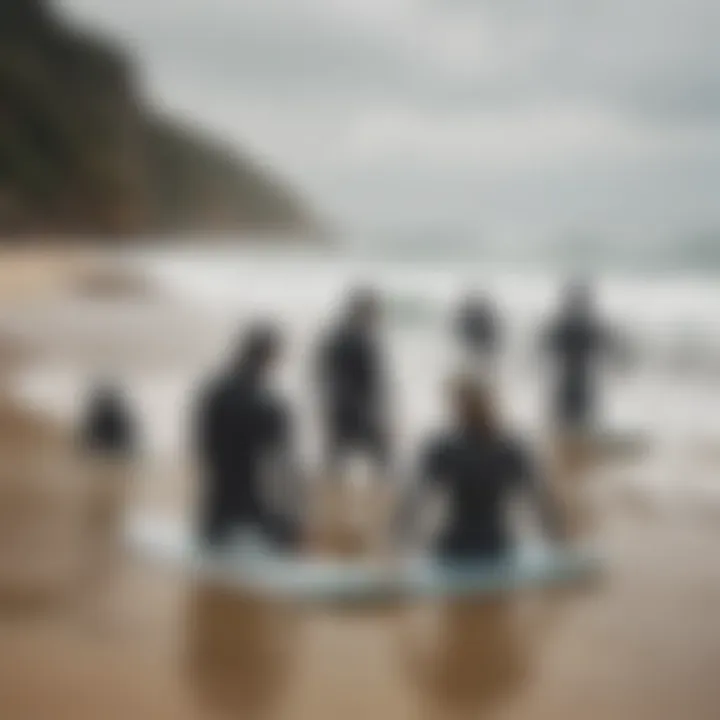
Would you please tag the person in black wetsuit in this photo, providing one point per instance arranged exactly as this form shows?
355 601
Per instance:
353 385
576 339
480 469
477 325
109 427
478 330
109 441
243 436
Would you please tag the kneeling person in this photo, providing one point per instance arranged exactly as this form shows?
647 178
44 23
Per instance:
243 436
480 470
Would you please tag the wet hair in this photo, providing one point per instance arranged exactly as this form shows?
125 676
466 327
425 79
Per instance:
474 407
363 304
578 293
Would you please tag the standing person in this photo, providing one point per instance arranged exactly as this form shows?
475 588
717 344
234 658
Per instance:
353 385
477 328
109 427
243 437
110 444
477 468
576 339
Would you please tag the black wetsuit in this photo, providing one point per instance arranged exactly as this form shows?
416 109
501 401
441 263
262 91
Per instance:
576 342
477 327
109 427
480 477
353 389
240 426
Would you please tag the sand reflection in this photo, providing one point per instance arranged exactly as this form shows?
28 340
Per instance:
239 651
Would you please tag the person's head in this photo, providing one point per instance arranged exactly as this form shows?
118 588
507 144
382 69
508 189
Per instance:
475 302
364 308
578 297
259 349
473 406
105 392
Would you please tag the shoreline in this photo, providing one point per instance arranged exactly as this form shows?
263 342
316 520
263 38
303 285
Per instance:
146 643
38 274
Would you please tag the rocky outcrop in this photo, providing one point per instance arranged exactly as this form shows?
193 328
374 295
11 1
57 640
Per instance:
80 152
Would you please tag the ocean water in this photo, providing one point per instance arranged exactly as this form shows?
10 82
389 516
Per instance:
670 322
668 388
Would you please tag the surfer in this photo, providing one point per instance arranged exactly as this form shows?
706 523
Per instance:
477 468
109 427
353 385
243 439
575 340
477 328
109 441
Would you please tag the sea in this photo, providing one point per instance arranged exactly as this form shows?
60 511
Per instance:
665 388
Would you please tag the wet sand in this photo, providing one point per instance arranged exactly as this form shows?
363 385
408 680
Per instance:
40 273
129 641
644 643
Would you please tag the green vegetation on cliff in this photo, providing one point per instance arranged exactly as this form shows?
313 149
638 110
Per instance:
195 182
80 152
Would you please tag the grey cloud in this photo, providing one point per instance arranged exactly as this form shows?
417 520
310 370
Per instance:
658 58
291 76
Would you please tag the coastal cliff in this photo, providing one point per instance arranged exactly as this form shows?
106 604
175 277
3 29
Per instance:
82 152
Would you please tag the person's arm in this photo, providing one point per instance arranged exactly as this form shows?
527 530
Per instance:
617 347
495 331
282 481
86 436
377 388
203 433
555 338
129 432
548 347
552 518
323 368
425 496
540 494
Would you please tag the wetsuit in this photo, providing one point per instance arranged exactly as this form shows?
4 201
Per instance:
480 477
477 330
109 427
241 426
576 341
477 327
352 381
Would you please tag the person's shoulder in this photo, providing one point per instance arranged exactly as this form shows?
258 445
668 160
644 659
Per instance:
225 390
272 400
515 451
211 388
271 411
441 445
436 455
511 443
334 339
327 337
554 333
510 438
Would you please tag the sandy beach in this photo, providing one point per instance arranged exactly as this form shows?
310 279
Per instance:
642 643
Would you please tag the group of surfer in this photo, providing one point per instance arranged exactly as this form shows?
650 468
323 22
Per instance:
244 434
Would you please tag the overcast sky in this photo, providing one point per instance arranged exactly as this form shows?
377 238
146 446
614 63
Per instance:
552 113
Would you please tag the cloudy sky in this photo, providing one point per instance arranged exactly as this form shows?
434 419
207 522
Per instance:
520 113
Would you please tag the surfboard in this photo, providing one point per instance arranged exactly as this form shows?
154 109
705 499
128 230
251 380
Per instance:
250 564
